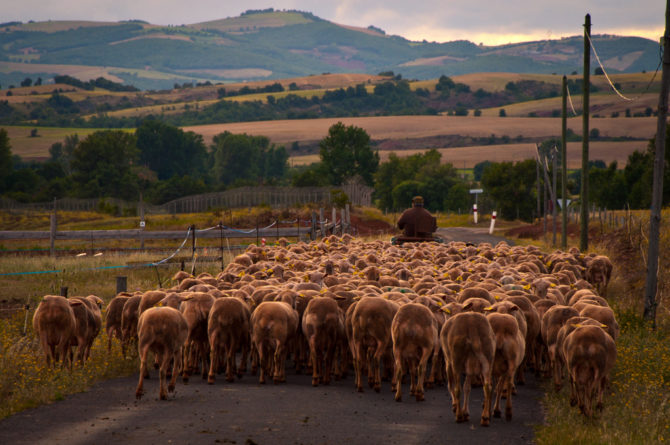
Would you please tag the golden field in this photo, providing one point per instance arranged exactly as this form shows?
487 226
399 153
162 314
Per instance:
413 127
468 157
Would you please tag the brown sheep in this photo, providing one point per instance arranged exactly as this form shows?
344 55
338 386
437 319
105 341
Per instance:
599 272
129 321
590 354
414 336
195 309
228 328
604 315
570 325
113 319
85 330
510 346
469 345
163 331
552 321
323 327
371 333
149 299
273 325
55 325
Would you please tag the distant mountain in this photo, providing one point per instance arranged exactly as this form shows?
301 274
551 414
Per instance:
272 44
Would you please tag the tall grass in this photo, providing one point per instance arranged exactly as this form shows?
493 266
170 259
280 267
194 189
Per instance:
637 402
25 380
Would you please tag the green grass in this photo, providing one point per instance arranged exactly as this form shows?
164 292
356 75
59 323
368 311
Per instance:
637 405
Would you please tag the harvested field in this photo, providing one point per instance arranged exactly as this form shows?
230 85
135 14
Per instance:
412 127
37 148
468 157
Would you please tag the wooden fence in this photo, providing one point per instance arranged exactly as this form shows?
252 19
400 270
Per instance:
318 226
277 197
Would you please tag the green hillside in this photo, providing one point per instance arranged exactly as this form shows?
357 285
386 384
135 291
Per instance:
281 44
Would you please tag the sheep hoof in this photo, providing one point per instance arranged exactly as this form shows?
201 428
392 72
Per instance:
508 415
485 421
210 380
496 413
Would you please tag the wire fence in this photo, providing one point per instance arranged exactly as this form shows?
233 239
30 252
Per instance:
275 197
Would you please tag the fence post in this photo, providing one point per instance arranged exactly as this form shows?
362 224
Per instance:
342 222
257 236
121 284
221 239
63 291
193 249
52 234
312 235
348 215
322 225
334 213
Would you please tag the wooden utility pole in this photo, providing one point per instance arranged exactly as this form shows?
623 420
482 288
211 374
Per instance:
651 286
539 190
584 230
564 164
554 201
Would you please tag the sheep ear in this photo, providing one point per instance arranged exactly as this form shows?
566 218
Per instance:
467 306
514 308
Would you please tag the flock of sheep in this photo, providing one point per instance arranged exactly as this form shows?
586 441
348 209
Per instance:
437 312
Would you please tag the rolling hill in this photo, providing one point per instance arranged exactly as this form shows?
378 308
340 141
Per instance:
272 44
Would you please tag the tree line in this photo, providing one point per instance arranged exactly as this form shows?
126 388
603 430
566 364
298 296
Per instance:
393 97
162 162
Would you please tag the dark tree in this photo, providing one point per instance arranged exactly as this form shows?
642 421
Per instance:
346 152
170 151
102 165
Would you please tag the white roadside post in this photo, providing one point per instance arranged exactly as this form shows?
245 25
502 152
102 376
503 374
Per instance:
493 222
474 207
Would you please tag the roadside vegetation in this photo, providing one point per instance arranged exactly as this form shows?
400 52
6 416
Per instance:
637 402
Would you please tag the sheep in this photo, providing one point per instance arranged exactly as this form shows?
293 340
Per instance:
590 354
163 331
228 328
371 332
113 319
468 343
273 326
414 336
323 327
552 321
55 325
510 345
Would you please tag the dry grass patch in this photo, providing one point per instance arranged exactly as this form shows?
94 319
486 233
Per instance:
413 127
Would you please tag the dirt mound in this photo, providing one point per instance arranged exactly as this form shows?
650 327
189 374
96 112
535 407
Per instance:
368 226
536 231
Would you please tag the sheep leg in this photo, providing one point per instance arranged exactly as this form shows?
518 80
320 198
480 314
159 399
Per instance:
398 376
144 351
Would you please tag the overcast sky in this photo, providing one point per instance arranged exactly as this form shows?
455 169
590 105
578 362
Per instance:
488 21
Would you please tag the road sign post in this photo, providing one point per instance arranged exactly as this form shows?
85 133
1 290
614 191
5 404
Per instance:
474 207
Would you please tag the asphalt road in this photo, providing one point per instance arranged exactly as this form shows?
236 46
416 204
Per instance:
245 412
